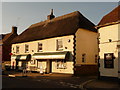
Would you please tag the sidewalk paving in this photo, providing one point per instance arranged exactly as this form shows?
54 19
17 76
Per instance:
31 74
102 84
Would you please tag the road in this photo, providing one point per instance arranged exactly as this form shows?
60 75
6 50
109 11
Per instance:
42 82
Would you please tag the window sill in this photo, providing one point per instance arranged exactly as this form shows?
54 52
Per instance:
59 49
26 52
40 51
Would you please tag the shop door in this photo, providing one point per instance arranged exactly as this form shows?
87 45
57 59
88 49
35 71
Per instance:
49 66
23 65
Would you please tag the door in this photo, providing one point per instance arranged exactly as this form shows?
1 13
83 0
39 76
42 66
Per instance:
41 66
23 65
49 66
16 64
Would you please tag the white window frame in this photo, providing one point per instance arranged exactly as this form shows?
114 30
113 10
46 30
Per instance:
17 49
59 44
39 50
26 49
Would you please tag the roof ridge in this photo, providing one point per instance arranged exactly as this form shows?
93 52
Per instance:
55 19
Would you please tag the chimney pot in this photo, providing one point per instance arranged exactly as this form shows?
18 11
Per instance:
51 16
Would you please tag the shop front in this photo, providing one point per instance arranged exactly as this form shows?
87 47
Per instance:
54 62
19 62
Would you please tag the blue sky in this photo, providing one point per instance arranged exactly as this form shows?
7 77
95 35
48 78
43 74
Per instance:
23 14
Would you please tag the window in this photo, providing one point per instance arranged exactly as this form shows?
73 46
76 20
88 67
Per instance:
40 47
110 40
109 60
32 62
26 48
61 64
17 49
96 58
59 44
69 40
83 57
13 50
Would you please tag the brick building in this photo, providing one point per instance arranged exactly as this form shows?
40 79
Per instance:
5 44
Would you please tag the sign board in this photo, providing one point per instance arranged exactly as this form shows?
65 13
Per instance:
109 60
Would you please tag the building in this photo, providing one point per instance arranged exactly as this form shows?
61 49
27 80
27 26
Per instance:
5 45
110 44
65 44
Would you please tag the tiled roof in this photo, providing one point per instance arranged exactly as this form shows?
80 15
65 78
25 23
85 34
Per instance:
111 18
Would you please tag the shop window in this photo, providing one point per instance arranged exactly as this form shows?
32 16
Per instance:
17 49
40 47
61 64
83 58
59 44
32 62
26 48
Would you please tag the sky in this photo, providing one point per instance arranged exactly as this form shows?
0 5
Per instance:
24 14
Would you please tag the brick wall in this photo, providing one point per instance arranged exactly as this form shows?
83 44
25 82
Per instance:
86 70
0 53
6 51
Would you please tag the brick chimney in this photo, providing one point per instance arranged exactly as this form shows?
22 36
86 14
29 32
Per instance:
51 16
14 29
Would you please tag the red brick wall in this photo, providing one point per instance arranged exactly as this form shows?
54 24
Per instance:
6 51
86 70
0 53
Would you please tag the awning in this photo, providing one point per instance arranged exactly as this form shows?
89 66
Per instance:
52 55
21 57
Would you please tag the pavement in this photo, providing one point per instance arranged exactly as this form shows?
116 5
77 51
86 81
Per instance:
102 84
84 82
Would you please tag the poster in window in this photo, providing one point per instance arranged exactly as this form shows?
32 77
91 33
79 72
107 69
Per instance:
109 60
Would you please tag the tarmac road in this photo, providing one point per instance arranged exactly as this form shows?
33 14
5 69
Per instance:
42 82
37 81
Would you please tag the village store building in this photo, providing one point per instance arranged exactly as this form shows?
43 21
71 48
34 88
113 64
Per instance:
110 44
65 44
5 46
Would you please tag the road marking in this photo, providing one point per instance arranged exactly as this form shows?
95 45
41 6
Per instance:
69 84
81 86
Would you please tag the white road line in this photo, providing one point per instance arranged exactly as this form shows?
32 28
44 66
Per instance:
81 86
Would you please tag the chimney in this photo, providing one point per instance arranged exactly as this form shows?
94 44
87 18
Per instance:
14 29
51 16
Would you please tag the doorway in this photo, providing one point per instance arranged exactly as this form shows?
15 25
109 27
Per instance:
49 66
23 65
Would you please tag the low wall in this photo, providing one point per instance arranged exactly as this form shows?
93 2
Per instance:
85 70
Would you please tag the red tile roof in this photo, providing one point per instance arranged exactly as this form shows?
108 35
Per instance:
111 18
